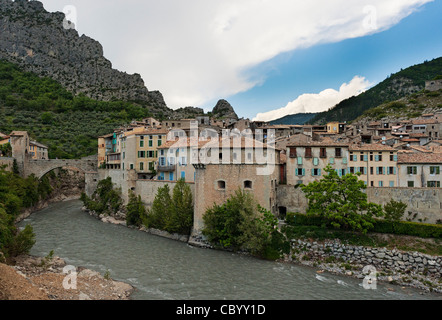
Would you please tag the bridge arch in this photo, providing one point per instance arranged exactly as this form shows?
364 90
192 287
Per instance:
41 167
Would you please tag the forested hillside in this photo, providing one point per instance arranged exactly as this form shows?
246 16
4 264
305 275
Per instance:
69 125
404 83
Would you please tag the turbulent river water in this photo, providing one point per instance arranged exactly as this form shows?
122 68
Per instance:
163 269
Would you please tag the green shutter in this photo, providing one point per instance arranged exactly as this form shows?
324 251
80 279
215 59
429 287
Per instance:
332 160
303 172
299 160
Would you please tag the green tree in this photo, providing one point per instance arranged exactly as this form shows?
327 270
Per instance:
241 224
182 209
160 215
341 201
394 210
135 210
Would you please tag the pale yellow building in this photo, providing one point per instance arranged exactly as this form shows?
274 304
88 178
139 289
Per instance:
376 162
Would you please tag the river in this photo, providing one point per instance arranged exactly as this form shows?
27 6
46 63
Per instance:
163 269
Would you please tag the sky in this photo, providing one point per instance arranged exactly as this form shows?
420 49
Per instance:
268 58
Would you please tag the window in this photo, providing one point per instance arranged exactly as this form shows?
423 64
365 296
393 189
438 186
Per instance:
316 172
300 172
411 170
131 166
293 153
141 166
248 184
434 170
161 176
363 170
221 185
338 152
141 154
171 176
183 175
141 144
411 184
433 184
160 143
150 143
391 184
391 170
380 170
352 170
315 161
308 152
323 153
381 183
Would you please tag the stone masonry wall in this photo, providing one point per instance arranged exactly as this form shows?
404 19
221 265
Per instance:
380 258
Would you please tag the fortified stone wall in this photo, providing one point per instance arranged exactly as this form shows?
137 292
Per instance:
8 162
127 180
424 204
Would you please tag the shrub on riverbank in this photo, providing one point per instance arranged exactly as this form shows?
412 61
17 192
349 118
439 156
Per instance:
105 200
241 224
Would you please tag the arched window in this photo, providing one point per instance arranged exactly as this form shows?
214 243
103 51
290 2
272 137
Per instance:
248 184
221 184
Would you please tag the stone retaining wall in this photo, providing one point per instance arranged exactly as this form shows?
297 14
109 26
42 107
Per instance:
381 258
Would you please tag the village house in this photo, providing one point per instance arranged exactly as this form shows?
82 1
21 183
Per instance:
419 169
307 159
376 162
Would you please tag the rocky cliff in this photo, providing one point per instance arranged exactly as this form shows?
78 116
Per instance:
42 42
223 110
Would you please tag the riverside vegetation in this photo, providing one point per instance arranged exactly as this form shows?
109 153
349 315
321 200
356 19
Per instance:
17 193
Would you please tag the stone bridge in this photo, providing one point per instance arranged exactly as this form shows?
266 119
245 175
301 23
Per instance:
41 167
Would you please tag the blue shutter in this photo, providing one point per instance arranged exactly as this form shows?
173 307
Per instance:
313 172
394 170
365 158
319 172
299 160
303 172
344 160
395 158
376 158
315 161
377 170
332 160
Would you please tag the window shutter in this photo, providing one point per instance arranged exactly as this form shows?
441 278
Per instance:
319 172
313 172
315 161
395 158
299 160
344 160
377 170
365 158
303 172
332 160
376 158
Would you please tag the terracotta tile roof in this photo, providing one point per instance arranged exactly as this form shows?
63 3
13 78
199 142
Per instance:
371 147
306 141
435 158
424 121
213 143
149 131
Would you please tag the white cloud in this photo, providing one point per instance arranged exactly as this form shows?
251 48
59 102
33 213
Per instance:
195 51
312 103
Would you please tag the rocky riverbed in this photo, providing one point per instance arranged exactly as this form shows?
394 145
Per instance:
49 278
